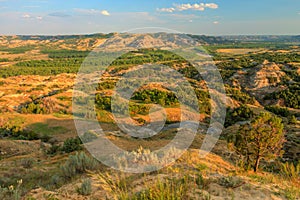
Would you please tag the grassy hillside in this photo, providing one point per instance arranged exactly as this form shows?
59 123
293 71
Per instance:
42 157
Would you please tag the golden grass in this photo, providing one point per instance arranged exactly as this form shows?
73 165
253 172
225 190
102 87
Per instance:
238 51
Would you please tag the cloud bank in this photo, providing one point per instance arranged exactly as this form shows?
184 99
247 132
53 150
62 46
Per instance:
188 6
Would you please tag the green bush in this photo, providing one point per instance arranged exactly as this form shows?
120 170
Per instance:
175 189
54 149
78 164
71 144
293 120
277 110
290 170
88 137
85 188
17 132
230 181
106 85
56 181
27 163
241 113
34 108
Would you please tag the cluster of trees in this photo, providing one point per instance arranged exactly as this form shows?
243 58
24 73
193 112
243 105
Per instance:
240 96
163 98
284 112
235 63
42 67
63 61
137 108
140 99
280 58
190 72
17 50
241 44
69 61
227 73
103 102
13 131
293 74
34 108
146 56
54 54
291 97
106 85
39 106
242 113
230 65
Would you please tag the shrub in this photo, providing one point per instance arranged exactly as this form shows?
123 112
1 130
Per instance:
11 192
27 163
292 193
54 149
290 170
56 181
88 137
170 188
71 144
78 164
85 188
4 193
230 182
293 120
201 182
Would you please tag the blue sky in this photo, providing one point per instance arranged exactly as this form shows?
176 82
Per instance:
215 17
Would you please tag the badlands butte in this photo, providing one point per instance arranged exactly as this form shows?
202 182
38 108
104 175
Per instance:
42 157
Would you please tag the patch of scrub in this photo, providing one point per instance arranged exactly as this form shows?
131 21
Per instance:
42 128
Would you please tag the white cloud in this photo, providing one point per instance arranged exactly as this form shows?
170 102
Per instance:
188 6
39 17
216 22
26 16
169 10
211 5
105 12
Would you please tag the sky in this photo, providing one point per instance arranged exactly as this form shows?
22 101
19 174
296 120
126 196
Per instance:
215 17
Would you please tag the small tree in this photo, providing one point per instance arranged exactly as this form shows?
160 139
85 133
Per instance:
263 138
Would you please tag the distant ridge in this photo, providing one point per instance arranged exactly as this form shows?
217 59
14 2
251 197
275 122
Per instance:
263 38
203 38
